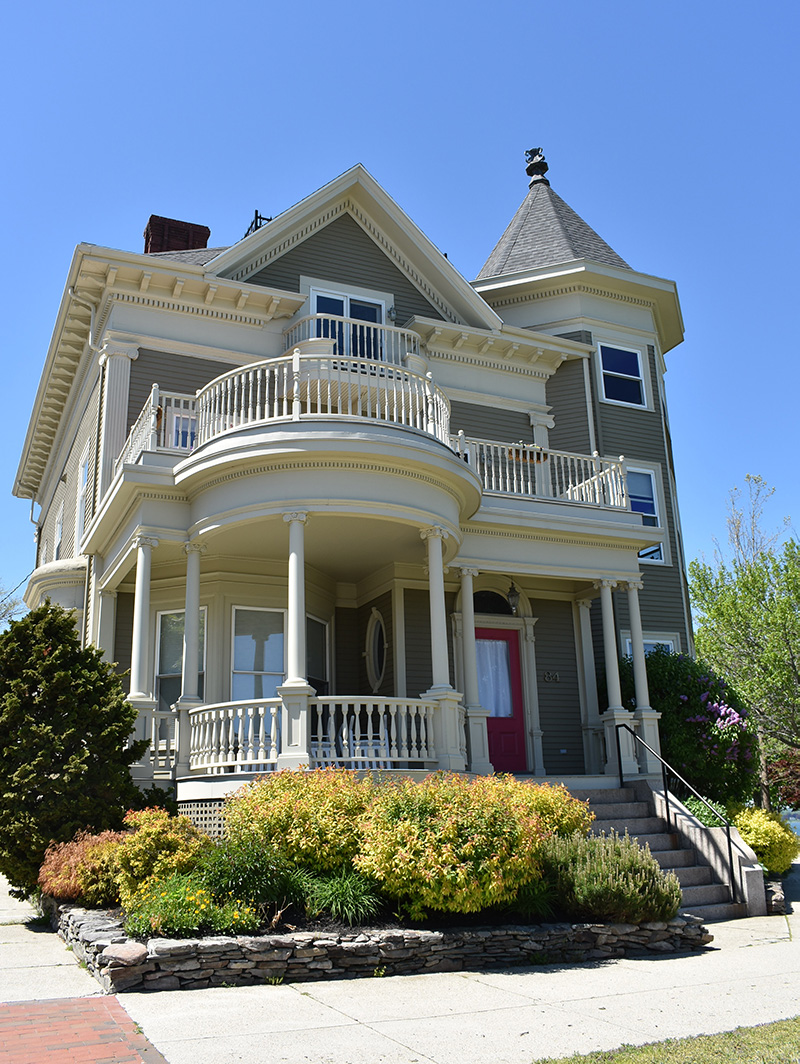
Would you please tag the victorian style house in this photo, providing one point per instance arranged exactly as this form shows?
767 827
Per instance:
327 502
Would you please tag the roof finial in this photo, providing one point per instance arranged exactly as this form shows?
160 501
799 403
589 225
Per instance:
536 168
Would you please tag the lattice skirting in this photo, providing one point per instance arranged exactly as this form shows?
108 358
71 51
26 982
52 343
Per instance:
205 814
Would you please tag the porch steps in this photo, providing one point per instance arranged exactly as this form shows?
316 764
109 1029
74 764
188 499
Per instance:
617 809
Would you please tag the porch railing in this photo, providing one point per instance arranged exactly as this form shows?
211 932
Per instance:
167 422
355 339
350 732
536 472
372 733
298 386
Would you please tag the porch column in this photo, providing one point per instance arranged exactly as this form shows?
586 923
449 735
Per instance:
116 357
615 714
646 717
106 623
477 735
449 737
190 695
593 747
140 643
295 691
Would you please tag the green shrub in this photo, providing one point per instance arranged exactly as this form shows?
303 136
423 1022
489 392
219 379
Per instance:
705 731
535 900
346 896
768 834
84 868
450 843
559 812
608 878
702 813
244 868
309 818
180 904
158 846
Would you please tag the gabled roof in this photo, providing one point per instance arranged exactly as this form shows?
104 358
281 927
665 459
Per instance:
198 257
357 193
544 231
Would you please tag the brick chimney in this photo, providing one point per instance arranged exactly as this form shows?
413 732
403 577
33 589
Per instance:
168 234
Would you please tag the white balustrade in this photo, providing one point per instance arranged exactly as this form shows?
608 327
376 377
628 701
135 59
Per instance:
235 736
167 422
353 338
372 733
536 472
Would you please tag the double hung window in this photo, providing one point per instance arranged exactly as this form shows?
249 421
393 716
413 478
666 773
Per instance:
623 380
169 666
258 653
59 533
642 493
83 495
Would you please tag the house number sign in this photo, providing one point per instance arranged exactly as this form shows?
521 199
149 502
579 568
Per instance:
551 677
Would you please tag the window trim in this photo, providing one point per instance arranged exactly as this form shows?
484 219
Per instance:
82 495
670 639
201 672
376 670
646 403
58 533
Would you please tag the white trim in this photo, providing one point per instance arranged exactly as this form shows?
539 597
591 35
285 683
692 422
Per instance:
157 649
671 640
375 625
643 378
58 532
654 472
81 496
244 672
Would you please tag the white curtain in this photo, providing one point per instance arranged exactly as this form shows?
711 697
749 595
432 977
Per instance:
494 680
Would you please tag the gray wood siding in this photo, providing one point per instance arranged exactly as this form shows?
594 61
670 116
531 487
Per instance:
566 396
173 373
559 703
123 636
345 255
490 422
639 435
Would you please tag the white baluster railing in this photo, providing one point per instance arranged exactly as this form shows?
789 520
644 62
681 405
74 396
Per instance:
527 470
235 736
372 733
352 338
167 421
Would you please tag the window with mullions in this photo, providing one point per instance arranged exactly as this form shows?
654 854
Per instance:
83 495
359 338
169 665
623 381
258 653
642 494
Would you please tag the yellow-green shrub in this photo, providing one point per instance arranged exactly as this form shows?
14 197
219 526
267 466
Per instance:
158 846
450 843
774 842
84 868
308 818
559 812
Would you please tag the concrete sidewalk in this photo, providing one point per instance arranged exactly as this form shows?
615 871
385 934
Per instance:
750 975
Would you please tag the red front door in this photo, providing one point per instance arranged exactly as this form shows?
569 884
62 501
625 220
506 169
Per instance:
500 689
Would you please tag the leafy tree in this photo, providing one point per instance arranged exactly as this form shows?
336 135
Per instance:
64 724
748 613
9 606
705 731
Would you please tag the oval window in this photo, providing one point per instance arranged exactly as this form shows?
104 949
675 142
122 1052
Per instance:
375 652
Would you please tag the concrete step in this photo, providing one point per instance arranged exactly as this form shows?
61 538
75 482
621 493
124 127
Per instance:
621 810
672 859
721 911
709 894
598 797
692 875
636 826
657 841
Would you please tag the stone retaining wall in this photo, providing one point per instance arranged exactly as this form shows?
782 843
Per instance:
121 963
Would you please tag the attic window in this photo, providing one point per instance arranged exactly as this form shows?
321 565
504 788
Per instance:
623 381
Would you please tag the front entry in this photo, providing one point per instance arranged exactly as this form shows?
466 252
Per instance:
500 690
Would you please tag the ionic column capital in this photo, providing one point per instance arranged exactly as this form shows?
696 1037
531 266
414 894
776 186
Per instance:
193 546
434 532
633 585
122 348
107 594
145 541
296 515
600 584
469 572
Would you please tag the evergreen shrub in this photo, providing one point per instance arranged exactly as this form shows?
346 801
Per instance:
608 878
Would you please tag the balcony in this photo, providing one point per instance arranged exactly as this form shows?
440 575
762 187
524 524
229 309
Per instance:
352 338
528 471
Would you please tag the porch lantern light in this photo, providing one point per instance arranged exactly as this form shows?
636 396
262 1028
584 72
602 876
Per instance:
513 598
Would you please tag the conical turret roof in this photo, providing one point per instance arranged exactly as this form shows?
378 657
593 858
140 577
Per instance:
545 231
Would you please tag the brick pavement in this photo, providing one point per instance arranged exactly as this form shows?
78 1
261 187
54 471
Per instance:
88 1030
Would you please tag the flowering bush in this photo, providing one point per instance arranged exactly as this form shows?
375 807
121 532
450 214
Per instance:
450 843
310 819
705 731
774 842
84 868
159 845
179 904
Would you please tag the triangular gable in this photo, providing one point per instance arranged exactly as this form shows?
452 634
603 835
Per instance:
356 202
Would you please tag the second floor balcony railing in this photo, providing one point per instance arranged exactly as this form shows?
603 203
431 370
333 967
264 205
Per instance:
524 469
354 338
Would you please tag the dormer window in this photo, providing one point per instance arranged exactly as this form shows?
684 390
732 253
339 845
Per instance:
623 380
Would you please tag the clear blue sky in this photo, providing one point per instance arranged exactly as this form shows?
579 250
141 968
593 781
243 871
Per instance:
671 128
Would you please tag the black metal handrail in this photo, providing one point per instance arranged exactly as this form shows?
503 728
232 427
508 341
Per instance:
736 895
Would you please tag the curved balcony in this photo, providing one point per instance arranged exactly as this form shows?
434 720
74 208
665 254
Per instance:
353 338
